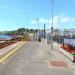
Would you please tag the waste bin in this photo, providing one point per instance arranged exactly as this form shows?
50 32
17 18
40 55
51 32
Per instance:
39 39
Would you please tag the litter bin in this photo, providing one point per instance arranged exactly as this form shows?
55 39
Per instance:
39 39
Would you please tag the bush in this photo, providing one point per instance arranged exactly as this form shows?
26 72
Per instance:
73 53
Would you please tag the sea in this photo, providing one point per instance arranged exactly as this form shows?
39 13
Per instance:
5 37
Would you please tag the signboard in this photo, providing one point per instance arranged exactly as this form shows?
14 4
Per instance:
70 41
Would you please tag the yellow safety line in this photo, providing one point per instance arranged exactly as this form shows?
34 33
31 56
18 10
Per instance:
10 53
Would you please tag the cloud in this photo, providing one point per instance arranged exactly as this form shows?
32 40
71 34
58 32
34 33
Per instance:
65 19
33 21
62 21
59 21
55 20
40 20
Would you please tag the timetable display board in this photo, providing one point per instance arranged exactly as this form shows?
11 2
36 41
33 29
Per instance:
70 41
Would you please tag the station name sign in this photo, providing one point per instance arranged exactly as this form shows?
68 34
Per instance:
70 41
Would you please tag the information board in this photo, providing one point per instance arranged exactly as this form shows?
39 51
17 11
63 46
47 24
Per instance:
69 41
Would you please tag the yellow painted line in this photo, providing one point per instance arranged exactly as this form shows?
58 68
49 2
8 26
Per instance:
10 53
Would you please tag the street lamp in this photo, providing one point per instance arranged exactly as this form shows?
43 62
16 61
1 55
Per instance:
52 26
38 27
44 32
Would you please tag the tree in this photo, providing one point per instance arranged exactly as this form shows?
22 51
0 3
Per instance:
21 30
31 30
36 30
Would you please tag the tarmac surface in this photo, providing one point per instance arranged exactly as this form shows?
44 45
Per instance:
37 58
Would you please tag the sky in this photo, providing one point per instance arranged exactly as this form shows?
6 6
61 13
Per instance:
16 14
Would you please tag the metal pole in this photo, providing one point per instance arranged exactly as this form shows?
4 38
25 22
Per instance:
38 28
44 32
52 27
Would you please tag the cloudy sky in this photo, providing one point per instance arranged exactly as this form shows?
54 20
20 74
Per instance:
24 13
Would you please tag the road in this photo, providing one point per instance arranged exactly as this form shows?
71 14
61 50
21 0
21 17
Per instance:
33 59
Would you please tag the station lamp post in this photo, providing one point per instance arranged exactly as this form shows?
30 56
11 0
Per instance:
52 26
44 32
38 28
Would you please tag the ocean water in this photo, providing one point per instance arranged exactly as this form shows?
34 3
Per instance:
5 37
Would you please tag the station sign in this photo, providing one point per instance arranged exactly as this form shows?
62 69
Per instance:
70 41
